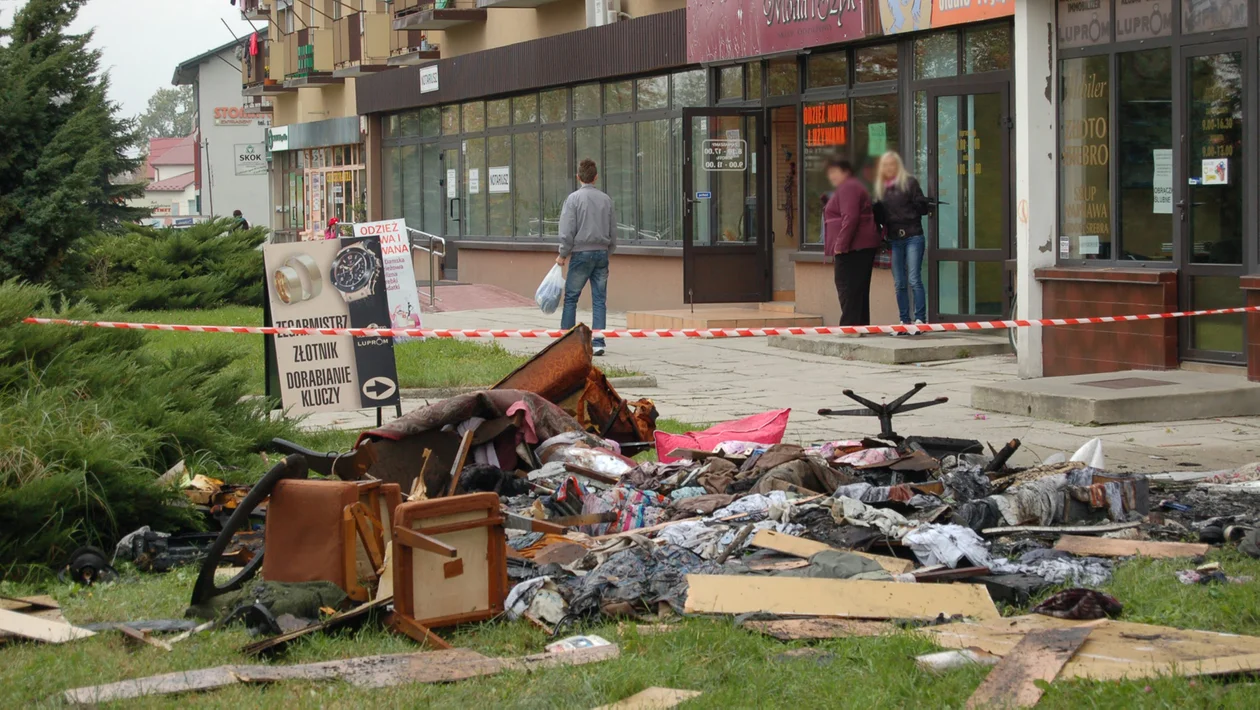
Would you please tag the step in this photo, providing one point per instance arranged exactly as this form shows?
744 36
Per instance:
778 306
747 316
891 350
1123 397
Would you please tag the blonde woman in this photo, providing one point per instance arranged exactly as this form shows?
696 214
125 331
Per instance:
903 206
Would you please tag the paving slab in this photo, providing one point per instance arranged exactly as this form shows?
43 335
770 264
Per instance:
894 350
1122 397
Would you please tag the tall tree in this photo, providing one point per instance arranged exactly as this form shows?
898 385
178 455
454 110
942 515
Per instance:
61 142
169 113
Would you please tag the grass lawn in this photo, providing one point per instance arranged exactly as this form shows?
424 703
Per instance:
428 363
734 668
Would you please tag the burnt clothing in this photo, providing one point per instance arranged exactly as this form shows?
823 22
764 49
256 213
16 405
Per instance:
853 285
849 220
902 210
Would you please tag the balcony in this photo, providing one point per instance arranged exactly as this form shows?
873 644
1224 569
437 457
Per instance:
487 4
309 58
259 10
436 14
411 47
256 72
362 44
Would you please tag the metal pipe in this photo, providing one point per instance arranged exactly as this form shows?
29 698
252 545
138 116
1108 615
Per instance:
433 238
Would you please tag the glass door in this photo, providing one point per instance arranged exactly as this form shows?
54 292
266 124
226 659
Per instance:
726 255
969 148
453 214
1213 209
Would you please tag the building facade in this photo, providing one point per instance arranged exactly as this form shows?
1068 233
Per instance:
710 121
229 137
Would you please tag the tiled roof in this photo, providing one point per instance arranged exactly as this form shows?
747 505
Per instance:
175 184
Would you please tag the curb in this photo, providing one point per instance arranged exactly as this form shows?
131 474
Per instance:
634 382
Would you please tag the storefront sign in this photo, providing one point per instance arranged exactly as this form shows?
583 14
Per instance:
1084 22
826 125
400 274
1213 15
239 116
474 181
1143 19
1085 150
251 158
720 30
334 283
277 139
725 154
1161 181
428 79
500 179
914 15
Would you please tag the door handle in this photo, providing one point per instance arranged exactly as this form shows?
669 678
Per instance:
452 213
1181 208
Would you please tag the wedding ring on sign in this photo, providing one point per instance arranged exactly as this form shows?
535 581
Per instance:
298 279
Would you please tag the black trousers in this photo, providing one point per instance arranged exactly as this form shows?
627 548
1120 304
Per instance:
853 286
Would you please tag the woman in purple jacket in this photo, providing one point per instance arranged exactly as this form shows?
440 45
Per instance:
851 238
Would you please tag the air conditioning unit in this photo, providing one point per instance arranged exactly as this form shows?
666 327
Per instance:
602 12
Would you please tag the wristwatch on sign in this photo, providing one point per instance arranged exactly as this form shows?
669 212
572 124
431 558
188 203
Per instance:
297 280
354 271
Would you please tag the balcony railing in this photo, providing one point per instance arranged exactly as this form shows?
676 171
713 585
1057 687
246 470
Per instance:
309 57
363 42
255 9
436 14
258 69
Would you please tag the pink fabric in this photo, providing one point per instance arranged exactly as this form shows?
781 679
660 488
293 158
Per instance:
764 428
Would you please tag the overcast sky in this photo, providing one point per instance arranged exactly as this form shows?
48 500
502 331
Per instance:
143 40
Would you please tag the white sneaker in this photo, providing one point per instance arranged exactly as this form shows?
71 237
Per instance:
902 334
597 351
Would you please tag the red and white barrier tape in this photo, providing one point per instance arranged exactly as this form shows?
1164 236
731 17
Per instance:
681 333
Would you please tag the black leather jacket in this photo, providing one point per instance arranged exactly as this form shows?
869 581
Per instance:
900 211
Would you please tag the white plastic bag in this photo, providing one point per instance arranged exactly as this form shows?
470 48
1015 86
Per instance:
550 291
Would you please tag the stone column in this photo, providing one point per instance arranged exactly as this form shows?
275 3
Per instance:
1036 176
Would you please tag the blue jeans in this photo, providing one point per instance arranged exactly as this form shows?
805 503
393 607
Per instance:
907 268
586 266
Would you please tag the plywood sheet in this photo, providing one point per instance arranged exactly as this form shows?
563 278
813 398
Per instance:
860 599
801 547
1114 649
822 628
1107 547
1039 656
654 698
458 595
46 630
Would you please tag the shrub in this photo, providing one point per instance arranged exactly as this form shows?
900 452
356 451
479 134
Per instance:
204 266
89 419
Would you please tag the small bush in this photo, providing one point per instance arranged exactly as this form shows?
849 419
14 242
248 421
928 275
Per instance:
89 419
204 266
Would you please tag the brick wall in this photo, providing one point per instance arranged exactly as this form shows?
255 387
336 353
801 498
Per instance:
1074 292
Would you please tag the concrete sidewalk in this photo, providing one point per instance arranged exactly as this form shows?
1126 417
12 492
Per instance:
707 381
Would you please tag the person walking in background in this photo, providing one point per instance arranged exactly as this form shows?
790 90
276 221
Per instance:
241 222
903 207
588 236
851 238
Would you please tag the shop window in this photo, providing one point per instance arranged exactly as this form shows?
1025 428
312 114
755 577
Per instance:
1144 156
987 49
753 74
474 117
920 163
876 126
474 187
554 106
450 120
1199 16
410 124
497 184
782 77
675 230
936 55
524 183
391 125
1143 19
585 102
557 180
588 142
391 183
826 126
525 109
619 97
653 93
1216 203
1085 158
731 83
431 188
690 89
412 204
498 113
877 63
655 189
430 122
827 69
1084 24
618 175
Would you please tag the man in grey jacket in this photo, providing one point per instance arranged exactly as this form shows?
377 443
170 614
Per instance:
588 235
